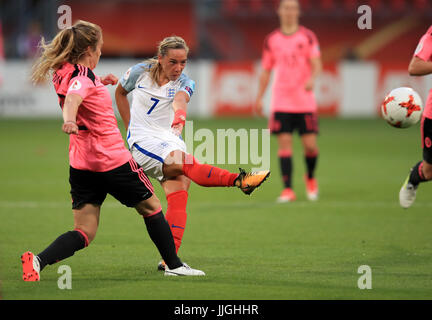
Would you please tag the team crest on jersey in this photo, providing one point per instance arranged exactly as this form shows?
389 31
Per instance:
171 92
76 85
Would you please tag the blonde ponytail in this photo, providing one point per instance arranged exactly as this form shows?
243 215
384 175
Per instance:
69 45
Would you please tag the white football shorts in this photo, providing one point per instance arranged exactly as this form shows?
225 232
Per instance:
151 152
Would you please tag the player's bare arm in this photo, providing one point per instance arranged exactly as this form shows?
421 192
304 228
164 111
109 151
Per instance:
70 109
316 68
419 67
262 87
123 104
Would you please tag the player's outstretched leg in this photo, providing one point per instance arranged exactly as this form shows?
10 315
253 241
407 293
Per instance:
407 193
85 221
210 176
63 247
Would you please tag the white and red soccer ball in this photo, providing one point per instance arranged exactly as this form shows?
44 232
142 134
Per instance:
402 107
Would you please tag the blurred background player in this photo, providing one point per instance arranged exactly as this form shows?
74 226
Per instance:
293 52
420 65
154 122
99 162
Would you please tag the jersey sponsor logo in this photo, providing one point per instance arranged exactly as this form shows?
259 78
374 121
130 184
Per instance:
141 87
76 85
171 92
189 90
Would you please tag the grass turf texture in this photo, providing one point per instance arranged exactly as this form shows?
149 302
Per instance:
250 247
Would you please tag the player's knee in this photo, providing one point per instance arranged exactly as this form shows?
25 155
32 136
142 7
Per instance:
427 171
311 150
172 170
89 233
149 206
285 144
173 164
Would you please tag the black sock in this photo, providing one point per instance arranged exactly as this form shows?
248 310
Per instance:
160 233
311 161
416 175
63 247
286 169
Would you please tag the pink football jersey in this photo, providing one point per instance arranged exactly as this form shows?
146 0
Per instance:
289 56
98 146
424 52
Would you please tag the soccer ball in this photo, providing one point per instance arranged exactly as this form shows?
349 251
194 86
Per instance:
402 107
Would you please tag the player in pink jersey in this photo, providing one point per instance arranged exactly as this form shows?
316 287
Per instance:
292 51
420 65
100 164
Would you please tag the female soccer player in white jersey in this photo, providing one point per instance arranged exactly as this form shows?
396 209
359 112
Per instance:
292 51
421 65
154 122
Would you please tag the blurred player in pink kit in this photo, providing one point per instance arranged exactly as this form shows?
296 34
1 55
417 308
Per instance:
293 52
420 65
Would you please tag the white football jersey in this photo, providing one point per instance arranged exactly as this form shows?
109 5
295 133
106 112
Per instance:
152 112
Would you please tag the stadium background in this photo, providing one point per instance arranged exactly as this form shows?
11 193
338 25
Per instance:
226 38
301 250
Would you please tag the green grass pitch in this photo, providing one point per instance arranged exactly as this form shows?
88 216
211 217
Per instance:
250 247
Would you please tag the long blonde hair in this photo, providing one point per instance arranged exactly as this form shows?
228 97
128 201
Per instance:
173 42
69 45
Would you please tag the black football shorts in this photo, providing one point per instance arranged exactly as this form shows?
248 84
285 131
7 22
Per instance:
289 122
127 183
426 133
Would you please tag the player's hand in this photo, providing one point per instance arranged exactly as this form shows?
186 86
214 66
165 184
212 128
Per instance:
309 85
109 79
177 129
258 108
178 122
70 127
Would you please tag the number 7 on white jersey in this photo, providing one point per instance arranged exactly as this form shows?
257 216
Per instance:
156 101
